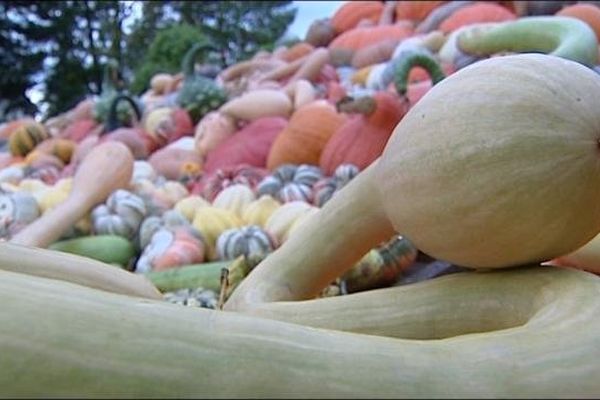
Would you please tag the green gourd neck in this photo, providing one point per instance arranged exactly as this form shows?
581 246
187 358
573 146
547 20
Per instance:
415 59
189 60
554 35
113 121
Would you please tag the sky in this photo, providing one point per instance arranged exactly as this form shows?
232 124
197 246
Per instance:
308 11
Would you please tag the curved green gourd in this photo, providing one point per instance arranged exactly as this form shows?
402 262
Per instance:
118 112
554 35
402 66
199 94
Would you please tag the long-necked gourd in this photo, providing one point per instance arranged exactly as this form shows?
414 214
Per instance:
496 166
517 333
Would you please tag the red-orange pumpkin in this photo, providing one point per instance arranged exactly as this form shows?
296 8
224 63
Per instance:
360 37
415 11
362 138
588 13
250 145
305 136
79 130
352 12
478 12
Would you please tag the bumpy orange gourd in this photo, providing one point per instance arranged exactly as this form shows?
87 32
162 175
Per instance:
478 12
360 37
308 130
415 11
352 12
362 138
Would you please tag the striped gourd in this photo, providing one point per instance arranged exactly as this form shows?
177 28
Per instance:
234 198
250 241
291 182
26 137
121 215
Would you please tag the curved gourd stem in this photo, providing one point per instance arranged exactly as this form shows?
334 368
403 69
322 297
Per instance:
404 64
559 36
188 62
295 271
113 122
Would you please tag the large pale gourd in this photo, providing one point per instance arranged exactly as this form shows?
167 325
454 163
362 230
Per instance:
496 166
520 166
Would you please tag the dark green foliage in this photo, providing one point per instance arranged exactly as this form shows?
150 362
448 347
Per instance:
60 47
166 53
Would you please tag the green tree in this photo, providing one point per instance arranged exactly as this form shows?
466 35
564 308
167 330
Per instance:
21 57
166 53
238 28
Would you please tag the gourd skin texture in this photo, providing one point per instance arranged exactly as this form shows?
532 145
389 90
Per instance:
496 187
548 349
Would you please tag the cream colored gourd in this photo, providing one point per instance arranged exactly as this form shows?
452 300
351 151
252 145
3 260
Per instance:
537 339
490 169
259 211
298 222
258 103
234 198
188 206
282 219
211 221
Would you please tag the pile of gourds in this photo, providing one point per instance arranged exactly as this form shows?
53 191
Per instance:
287 188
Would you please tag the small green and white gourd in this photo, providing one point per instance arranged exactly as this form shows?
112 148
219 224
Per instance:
121 215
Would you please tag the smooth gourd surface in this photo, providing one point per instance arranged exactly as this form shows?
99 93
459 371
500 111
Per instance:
499 164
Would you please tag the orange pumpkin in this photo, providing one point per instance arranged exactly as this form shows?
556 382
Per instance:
415 11
360 37
588 13
307 133
362 138
351 13
478 12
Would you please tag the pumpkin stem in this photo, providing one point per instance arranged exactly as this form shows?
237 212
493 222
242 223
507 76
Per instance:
189 60
403 65
113 122
363 105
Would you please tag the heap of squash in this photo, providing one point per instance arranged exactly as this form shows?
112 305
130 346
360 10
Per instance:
395 130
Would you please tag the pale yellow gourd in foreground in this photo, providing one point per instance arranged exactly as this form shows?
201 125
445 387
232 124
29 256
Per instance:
496 166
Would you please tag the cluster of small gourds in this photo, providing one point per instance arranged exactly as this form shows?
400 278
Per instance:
231 162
